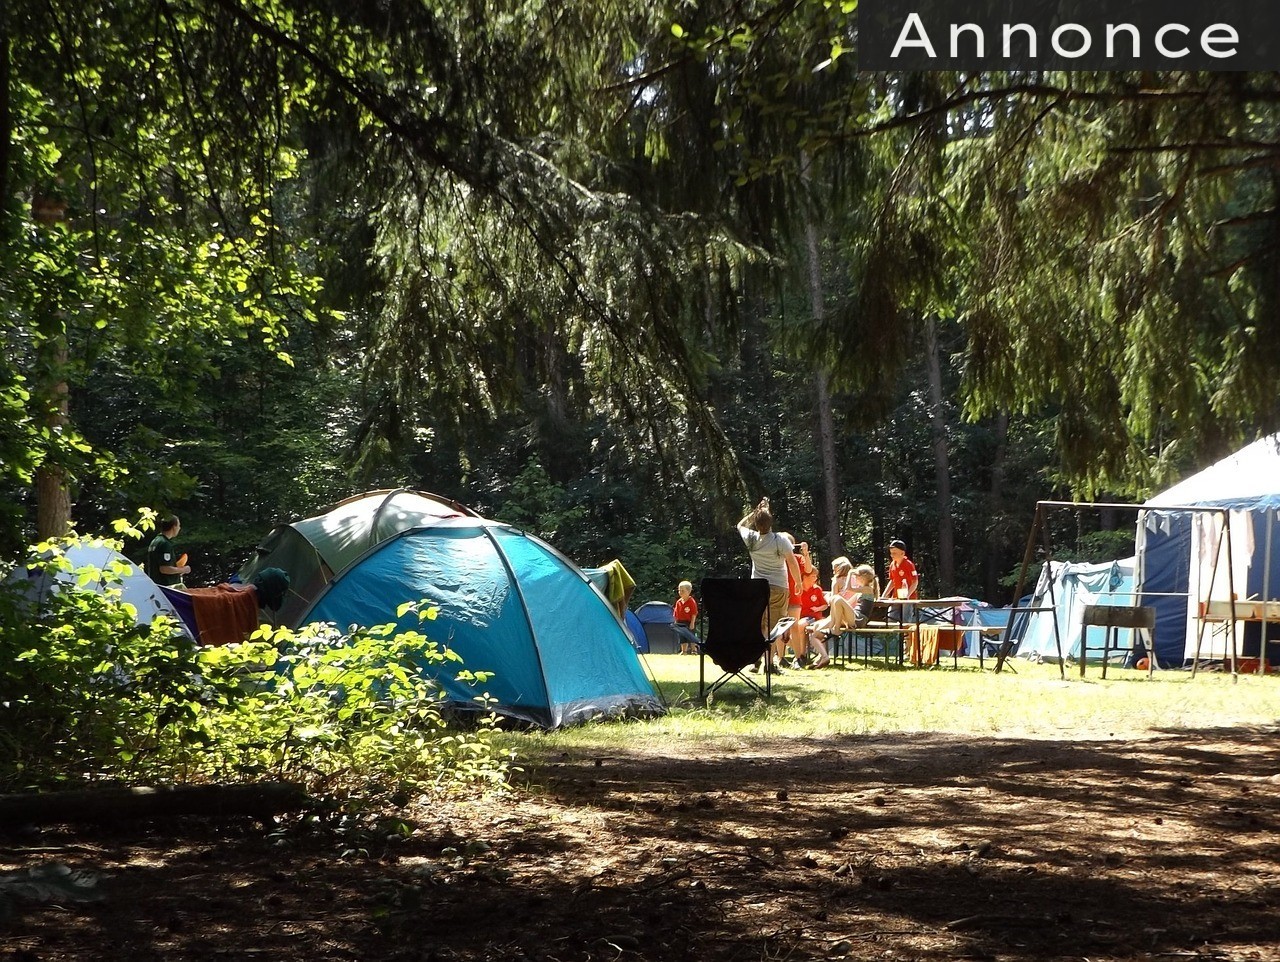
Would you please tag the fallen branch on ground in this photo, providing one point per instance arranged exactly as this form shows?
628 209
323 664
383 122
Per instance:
117 803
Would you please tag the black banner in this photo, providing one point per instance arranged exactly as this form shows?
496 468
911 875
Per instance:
1068 35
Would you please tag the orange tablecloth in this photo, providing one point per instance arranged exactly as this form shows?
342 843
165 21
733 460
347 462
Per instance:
923 648
225 614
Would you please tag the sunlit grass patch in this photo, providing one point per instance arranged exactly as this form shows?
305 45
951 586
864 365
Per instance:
879 698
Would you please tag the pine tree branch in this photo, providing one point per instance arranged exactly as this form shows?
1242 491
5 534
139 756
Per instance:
1062 95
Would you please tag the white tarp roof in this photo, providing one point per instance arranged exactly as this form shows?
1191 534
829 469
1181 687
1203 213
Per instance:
1252 473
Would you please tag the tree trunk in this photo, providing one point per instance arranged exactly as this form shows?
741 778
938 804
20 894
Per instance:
995 498
829 502
941 464
6 134
114 803
53 503
879 540
53 498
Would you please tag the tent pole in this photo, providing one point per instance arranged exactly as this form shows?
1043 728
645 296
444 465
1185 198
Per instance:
1272 514
377 514
1231 593
1053 603
528 620
1213 577
1140 583
1200 612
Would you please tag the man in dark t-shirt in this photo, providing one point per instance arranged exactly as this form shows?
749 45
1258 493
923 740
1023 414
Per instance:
162 556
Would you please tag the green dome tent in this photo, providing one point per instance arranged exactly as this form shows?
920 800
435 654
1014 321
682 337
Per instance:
314 550
508 603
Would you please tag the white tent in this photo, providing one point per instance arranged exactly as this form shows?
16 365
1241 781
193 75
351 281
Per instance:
1066 588
106 568
1190 562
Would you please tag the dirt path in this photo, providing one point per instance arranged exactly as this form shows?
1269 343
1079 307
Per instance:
919 847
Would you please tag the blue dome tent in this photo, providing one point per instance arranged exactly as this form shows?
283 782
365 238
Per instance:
509 604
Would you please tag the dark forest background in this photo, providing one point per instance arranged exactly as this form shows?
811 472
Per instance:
611 272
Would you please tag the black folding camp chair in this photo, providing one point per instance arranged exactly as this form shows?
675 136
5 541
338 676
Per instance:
733 611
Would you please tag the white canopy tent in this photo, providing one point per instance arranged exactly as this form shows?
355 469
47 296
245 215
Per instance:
1197 562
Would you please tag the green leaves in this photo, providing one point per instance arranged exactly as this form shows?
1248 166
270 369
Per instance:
85 692
156 148
1093 282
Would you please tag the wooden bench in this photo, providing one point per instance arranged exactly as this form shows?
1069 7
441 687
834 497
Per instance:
845 645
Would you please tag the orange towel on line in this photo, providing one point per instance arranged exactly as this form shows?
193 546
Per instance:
932 639
922 646
225 614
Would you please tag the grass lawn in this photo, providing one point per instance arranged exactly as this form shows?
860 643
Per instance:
1029 701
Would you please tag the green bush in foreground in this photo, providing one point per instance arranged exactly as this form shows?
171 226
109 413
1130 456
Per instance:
86 694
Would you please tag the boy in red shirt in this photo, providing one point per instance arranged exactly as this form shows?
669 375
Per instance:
685 611
903 580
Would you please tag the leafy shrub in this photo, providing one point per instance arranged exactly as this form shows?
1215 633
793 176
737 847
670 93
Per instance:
86 694
354 708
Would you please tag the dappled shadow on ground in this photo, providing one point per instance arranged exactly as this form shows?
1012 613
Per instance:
908 847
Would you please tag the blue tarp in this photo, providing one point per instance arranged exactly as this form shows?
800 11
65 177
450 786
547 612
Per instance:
993 619
1068 587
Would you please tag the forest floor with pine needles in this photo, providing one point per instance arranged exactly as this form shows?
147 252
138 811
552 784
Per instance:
1162 845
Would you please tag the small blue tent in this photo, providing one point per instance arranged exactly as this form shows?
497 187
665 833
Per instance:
662 635
509 604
